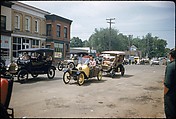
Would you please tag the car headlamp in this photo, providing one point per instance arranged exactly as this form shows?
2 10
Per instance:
80 68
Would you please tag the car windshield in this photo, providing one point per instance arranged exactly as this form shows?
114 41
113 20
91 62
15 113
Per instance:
83 61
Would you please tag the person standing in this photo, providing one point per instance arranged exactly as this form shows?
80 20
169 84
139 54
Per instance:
170 87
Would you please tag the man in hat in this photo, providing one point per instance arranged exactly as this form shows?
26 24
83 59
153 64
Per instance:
170 87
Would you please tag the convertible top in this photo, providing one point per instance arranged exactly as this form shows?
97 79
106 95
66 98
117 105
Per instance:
36 50
114 52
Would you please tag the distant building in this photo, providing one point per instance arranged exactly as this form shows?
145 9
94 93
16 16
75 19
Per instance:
58 35
133 52
29 27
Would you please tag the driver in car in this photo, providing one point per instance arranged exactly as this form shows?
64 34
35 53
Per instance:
92 64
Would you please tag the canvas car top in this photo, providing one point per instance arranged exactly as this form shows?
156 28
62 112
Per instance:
114 52
36 50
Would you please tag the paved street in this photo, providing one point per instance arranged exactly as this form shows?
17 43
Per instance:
139 93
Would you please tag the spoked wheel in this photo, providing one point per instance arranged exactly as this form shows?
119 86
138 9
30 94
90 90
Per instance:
60 66
66 77
51 73
71 65
80 79
99 75
122 71
22 75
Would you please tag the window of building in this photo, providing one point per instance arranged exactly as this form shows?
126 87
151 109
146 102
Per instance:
27 24
17 22
3 22
48 29
35 44
58 30
16 46
65 32
58 50
36 26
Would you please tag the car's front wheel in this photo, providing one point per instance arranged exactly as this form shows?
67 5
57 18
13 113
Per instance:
51 73
22 75
80 79
66 77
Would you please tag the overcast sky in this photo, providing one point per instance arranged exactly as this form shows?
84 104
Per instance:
131 17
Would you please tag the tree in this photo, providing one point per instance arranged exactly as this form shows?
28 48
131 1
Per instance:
76 42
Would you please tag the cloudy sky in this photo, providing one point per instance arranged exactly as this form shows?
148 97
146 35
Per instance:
131 17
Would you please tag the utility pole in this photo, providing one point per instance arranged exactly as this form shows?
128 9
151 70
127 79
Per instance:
110 22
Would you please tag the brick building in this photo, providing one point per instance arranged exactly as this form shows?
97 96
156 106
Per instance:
58 35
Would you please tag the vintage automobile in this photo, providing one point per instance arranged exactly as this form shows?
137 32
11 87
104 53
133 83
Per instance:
82 71
72 62
35 61
113 62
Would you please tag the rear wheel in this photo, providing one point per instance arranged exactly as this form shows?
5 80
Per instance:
80 79
66 77
122 71
99 75
51 73
22 75
60 66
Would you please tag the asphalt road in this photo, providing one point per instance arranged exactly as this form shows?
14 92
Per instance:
139 93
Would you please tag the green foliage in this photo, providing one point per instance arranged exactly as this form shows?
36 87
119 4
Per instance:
76 42
149 46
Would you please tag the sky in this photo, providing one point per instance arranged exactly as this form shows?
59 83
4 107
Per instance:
135 18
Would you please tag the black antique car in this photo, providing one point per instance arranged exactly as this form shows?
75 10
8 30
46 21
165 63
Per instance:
35 61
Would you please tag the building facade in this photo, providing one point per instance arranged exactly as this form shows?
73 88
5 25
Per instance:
6 30
58 35
28 26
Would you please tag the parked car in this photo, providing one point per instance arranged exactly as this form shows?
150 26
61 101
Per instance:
113 62
35 61
155 62
82 71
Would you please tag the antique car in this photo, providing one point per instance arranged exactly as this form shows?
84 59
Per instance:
35 61
82 71
71 62
113 62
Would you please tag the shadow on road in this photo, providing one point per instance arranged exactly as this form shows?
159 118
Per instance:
37 79
88 82
118 76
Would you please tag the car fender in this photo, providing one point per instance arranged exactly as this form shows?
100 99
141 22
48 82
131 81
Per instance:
79 72
53 67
